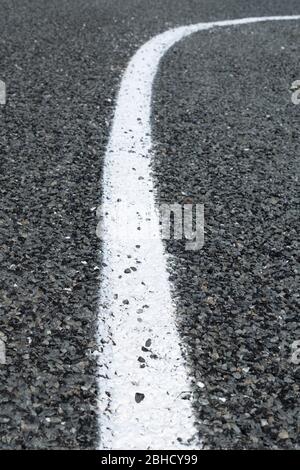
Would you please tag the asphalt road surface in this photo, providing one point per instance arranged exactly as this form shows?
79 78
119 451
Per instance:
226 135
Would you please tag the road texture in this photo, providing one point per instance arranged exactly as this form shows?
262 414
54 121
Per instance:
226 135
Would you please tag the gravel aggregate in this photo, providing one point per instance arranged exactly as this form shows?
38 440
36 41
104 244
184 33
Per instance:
62 61
228 136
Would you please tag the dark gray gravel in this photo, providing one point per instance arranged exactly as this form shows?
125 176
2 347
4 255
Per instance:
228 136
62 61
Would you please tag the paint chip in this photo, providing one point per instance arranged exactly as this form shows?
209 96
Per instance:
200 384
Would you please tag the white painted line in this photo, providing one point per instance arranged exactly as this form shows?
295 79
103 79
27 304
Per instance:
141 407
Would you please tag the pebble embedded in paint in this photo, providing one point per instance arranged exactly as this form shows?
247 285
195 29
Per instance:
139 397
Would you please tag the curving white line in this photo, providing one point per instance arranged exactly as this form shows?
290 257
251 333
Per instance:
137 307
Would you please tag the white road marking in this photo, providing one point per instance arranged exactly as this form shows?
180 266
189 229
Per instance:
141 407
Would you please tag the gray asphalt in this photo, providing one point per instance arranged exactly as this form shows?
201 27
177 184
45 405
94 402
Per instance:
226 134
